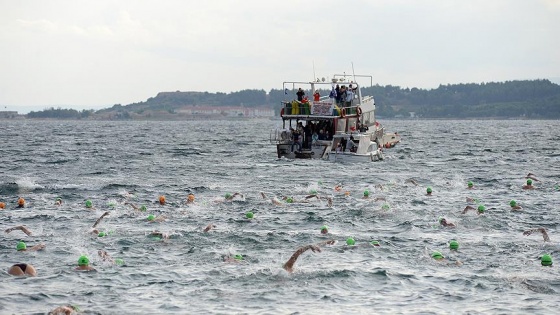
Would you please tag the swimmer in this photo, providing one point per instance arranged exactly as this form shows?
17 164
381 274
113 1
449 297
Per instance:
229 196
22 270
58 201
366 194
324 229
437 256
190 198
151 218
106 257
161 200
532 177
209 227
541 230
234 259
514 206
21 202
429 191
529 184
22 247
289 265
21 228
443 222
412 181
473 200
338 187
329 202
83 264
274 200
470 185
89 205
2 205
480 210
65 310
159 235
100 218
142 208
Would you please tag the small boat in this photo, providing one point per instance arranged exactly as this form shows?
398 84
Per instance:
331 129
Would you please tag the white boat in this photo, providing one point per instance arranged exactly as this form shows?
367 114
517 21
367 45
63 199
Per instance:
329 130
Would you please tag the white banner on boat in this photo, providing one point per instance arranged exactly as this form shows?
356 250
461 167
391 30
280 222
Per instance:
322 108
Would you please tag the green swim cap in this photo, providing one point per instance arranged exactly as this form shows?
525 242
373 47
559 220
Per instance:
151 217
454 245
385 206
111 204
470 184
529 182
21 246
143 208
437 255
101 234
289 200
313 192
58 199
481 209
228 195
238 257
546 260
350 241
375 243
440 219
429 190
89 204
556 187
83 261
119 261
366 193
324 227
513 203
249 215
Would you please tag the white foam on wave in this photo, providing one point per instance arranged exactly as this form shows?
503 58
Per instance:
27 183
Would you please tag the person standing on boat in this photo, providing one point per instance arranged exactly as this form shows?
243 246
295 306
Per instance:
349 97
300 94
296 139
316 96
342 95
337 95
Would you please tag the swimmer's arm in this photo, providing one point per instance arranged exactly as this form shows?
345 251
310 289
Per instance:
311 196
329 242
209 227
329 202
101 217
541 230
467 208
289 265
135 207
21 228
37 247
160 218
263 195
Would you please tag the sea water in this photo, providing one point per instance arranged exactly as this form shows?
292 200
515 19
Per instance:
111 163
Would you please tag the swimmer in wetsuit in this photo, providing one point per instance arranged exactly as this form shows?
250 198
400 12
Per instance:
22 270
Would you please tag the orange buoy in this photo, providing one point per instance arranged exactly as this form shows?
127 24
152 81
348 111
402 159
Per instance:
162 200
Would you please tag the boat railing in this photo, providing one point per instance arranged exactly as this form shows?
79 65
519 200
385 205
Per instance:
311 108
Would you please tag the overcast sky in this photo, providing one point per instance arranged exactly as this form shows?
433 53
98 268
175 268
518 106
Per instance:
93 54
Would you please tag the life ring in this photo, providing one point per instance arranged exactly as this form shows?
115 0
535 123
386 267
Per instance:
343 112
359 111
282 112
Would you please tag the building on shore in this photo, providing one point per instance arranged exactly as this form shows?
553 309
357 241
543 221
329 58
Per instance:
5 114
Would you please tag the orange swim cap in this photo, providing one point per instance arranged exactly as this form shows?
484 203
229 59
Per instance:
191 197
2 205
161 200
21 201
